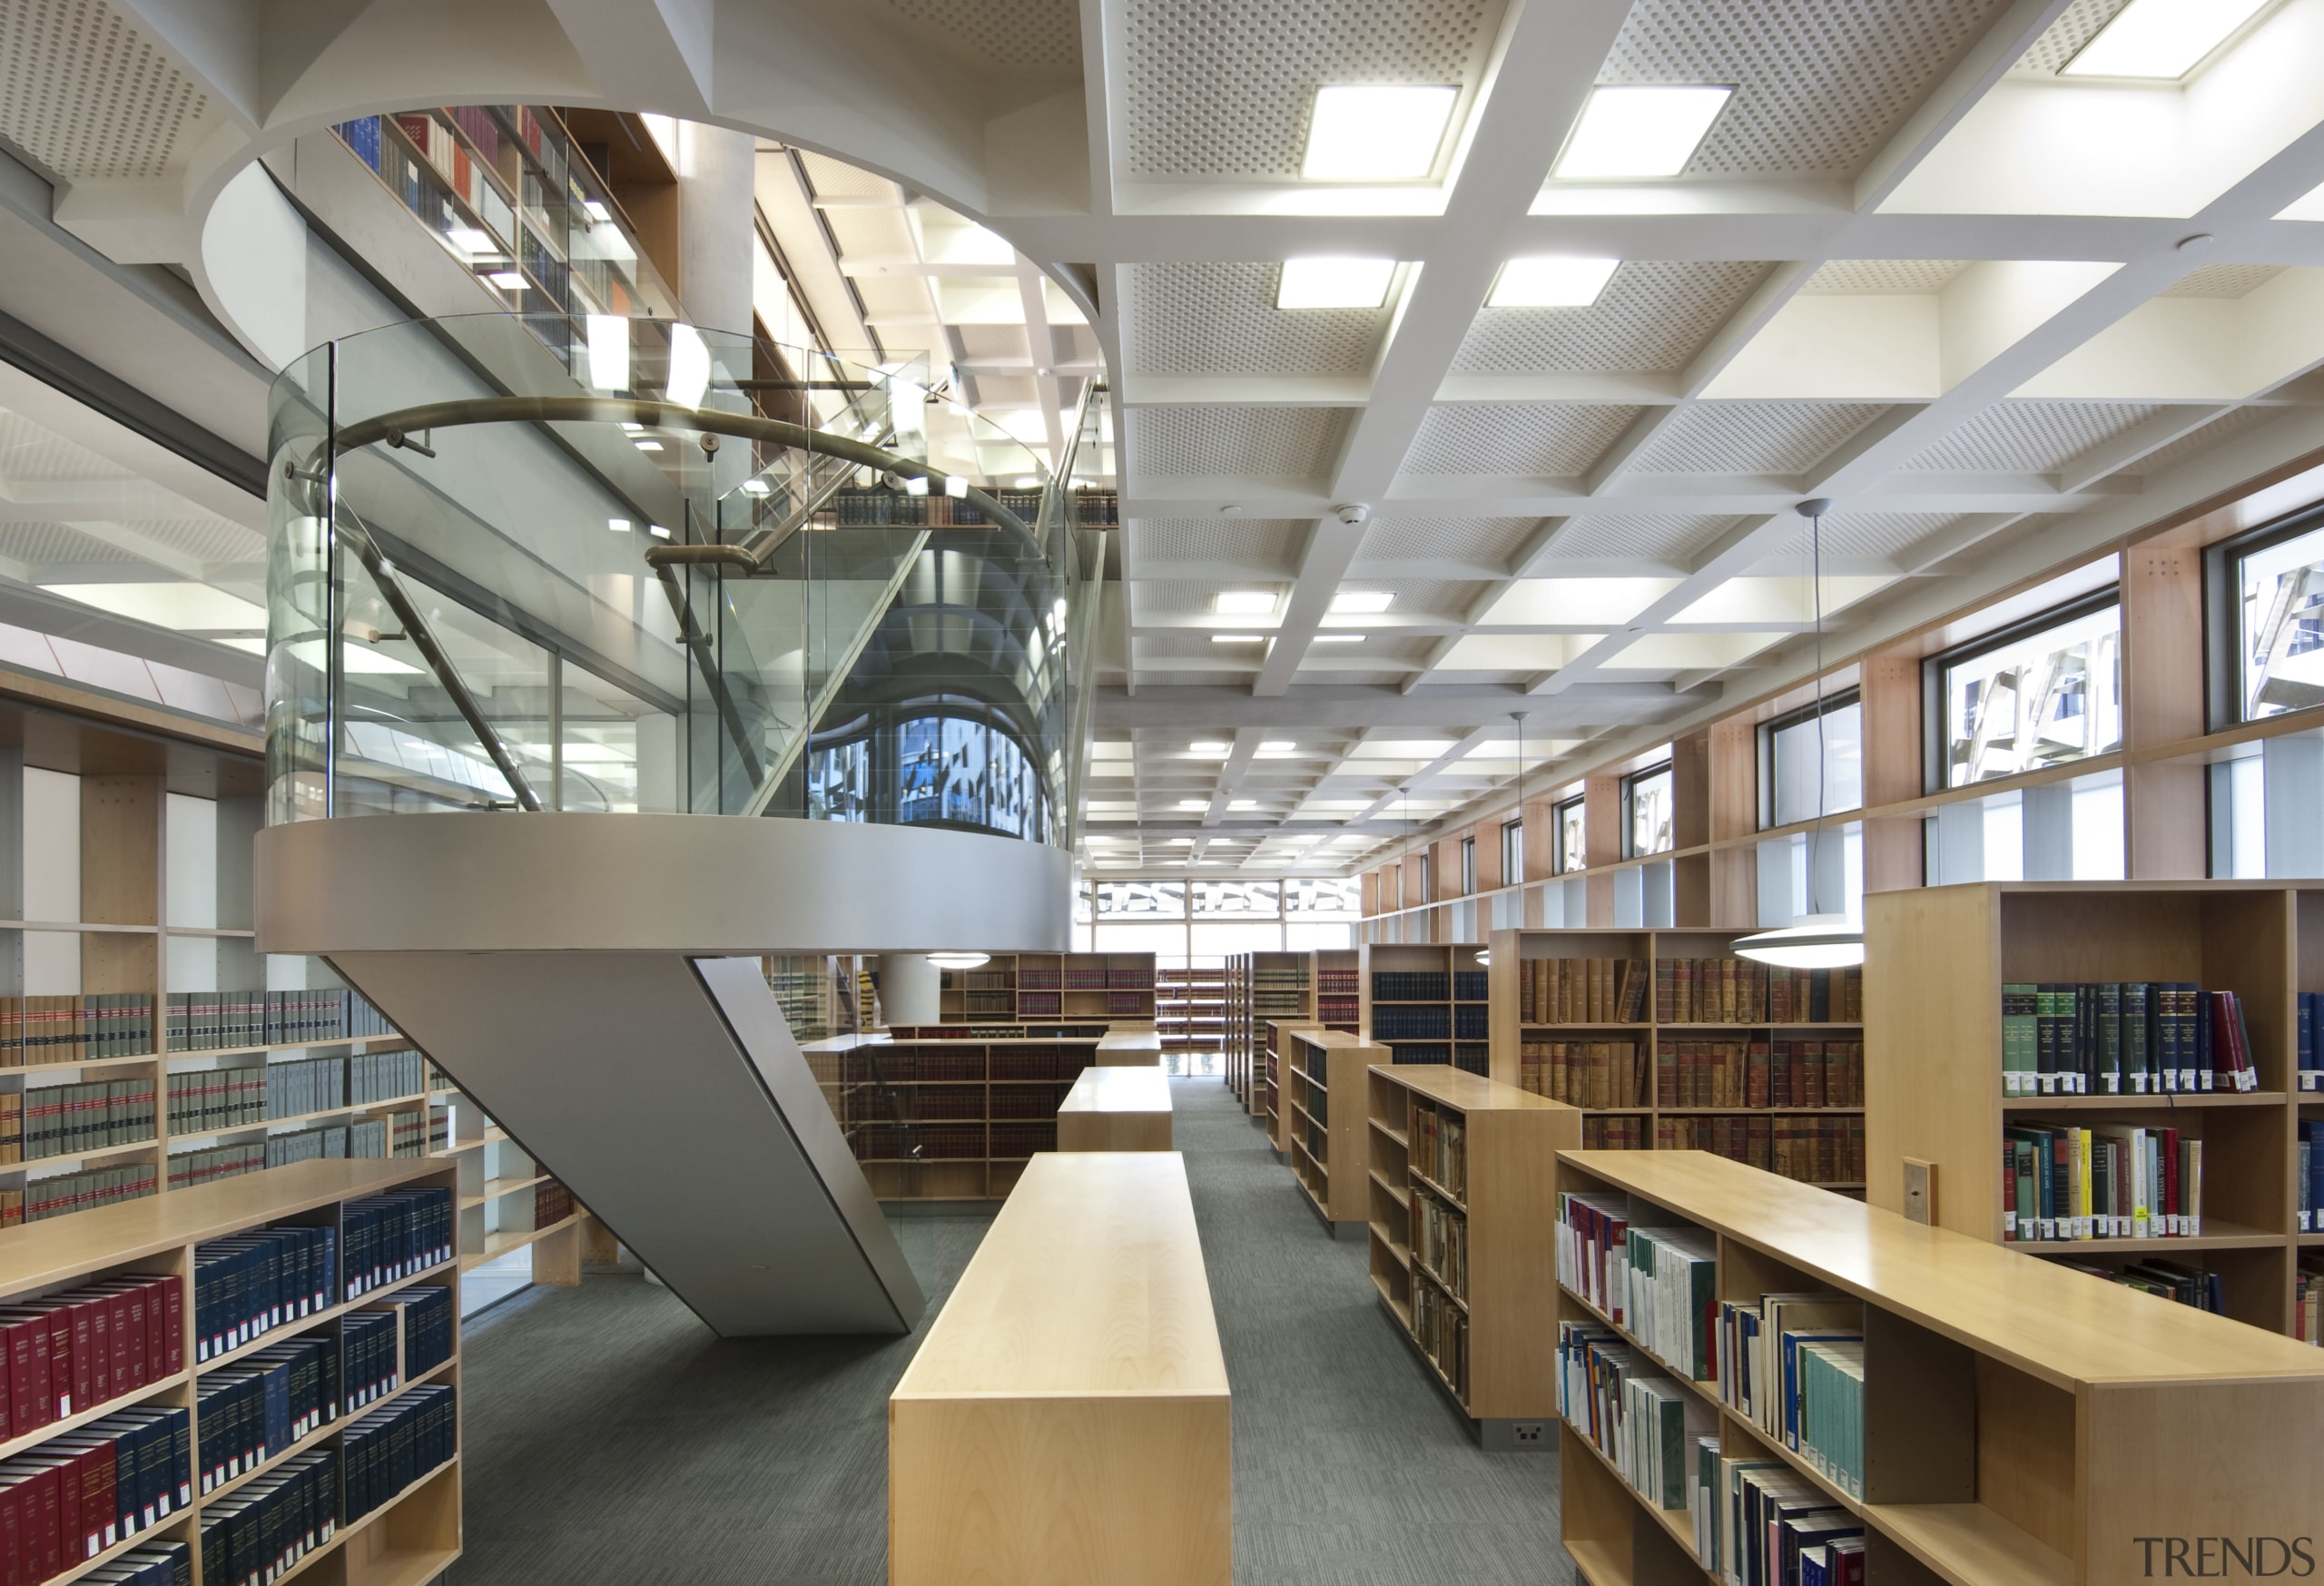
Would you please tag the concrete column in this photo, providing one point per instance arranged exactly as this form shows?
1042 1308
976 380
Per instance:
909 987
715 230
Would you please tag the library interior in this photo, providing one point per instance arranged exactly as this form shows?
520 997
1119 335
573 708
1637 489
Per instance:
1508 760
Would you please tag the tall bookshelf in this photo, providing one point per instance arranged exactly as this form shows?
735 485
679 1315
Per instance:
1656 1083
1318 985
949 1119
2018 1422
1426 1004
410 1537
1463 1188
1272 1085
1934 1069
1329 1117
1036 986
1190 1008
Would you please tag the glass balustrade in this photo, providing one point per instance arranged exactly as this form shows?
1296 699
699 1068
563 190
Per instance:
589 561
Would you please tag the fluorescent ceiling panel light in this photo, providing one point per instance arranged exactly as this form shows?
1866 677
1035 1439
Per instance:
1210 747
597 210
1242 804
2159 39
618 524
1633 131
609 352
1334 283
506 280
956 486
1244 603
689 367
1339 638
1366 602
757 487
1277 746
183 608
916 485
1376 131
649 446
1025 482
471 242
1551 281
1559 602
353 658
1194 804
657 531
1237 639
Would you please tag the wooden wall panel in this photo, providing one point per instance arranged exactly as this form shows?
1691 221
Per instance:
2162 701
1691 819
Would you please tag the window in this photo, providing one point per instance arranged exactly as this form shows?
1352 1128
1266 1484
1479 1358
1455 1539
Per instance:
1790 746
1512 852
1572 830
2274 580
1468 867
1237 900
1323 898
1646 812
1141 901
1427 877
2043 694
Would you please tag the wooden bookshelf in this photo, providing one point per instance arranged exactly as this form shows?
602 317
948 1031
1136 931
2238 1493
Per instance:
1067 1418
1035 986
2023 1425
1190 1008
1440 1015
1326 1107
1116 1109
1274 1055
1498 1304
939 1119
1934 1054
1660 1116
1317 986
412 1537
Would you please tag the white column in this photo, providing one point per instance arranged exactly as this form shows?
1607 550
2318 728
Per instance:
716 231
909 987
1960 845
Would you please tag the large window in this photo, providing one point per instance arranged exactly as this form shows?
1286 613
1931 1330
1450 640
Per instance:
1512 852
1792 746
1646 812
2275 581
1427 877
2044 693
1468 867
1570 819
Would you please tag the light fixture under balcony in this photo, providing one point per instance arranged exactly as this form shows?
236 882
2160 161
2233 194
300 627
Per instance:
2160 40
1630 131
959 960
1376 131
1334 283
1813 941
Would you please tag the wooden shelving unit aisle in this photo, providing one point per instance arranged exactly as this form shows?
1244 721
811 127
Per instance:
1936 960
1274 1056
2018 1424
1463 1186
1190 1010
1653 1081
408 1539
1317 986
1329 1122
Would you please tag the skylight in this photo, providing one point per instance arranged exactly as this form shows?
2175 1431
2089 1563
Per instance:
1376 132
1551 283
1333 283
1632 131
1368 602
2161 39
1244 603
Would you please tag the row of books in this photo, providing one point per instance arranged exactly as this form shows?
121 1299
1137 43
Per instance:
69 1499
393 1446
1441 1244
1118 980
1337 1009
1613 1393
552 1203
1766 1349
952 1142
1390 1023
1603 1133
1759 1522
983 980
2100 1181
1410 986
198 1021
1000 1002
395 1234
2307 1299
2307 1187
2124 1038
1475 1057
1041 1004
1441 1328
1668 1279
1584 1073
1338 982
259 1531
1736 990
65 1354
1438 1149
74 1027
78 1192
428 1319
399 1134
209 1100
1810 1149
909 1065
1759 1073
258 1407
2169 1280
1582 990
368 1350
67 1121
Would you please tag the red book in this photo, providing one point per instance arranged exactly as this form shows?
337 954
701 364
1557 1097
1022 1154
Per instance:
100 1351
2008 1193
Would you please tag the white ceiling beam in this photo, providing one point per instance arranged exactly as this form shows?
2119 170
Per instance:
2003 44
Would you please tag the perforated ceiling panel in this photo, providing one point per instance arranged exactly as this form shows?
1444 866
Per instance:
1656 539
2076 27
1515 437
52 545
2224 280
889 297
1033 35
1223 88
1221 318
1752 438
1245 542
2031 437
27 451
836 178
1266 442
991 341
1868 276
1483 542
206 539
871 233
1654 315
86 93
2202 440
1879 534
1820 85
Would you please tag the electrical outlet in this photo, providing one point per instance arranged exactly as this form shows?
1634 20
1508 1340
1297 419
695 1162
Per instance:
1526 1432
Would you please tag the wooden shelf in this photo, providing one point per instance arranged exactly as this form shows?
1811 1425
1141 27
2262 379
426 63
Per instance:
501 1242
325 1433
494 1188
45 1165
2167 1103
1323 1072
203 1141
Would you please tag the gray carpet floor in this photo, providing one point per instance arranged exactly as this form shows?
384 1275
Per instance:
610 1438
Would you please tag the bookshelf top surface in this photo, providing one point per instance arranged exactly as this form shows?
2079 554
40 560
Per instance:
1335 1039
1138 1038
2064 1327
1128 1087
1457 1088
38 1255
1089 1281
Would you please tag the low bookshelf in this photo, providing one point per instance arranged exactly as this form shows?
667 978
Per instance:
1463 1191
952 1112
1666 1040
1274 1054
382 1323
1974 1416
1429 1004
1942 1077
1330 1122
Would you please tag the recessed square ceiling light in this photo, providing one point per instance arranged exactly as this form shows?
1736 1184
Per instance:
1551 283
1242 804
1210 747
1277 746
1194 804
1237 638
2159 39
1333 283
1339 638
1639 132
1368 602
1244 602
507 280
1376 131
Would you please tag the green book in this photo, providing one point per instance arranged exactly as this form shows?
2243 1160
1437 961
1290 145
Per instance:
2021 1010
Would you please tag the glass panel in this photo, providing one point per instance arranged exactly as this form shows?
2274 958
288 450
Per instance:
2282 590
1299 937
1573 847
1324 898
1237 901
1794 751
1231 937
1512 852
1142 901
2040 700
1649 812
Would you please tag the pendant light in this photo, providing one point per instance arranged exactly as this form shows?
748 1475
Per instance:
1815 940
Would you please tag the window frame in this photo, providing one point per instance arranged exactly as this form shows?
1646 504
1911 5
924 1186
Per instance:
1785 723
1468 866
1558 865
1935 735
2223 611
1629 821
1513 875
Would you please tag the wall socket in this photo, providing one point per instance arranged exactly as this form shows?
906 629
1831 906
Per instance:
1920 1191
1527 1431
